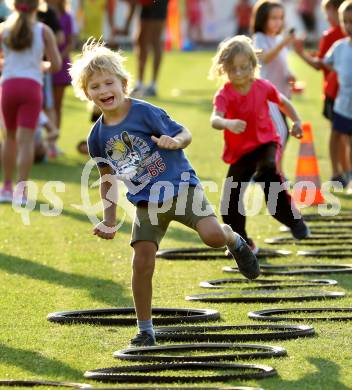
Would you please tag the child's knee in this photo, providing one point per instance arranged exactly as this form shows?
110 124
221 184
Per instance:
143 264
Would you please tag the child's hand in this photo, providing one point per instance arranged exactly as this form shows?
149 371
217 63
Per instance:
236 125
166 142
296 130
105 230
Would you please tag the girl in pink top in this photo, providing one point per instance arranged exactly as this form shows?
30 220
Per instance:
24 41
241 110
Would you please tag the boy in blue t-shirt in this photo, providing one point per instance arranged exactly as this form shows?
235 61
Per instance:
141 145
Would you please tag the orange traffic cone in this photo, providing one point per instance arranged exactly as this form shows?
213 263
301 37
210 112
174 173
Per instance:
307 187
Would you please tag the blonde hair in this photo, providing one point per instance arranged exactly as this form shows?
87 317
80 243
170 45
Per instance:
20 34
346 6
96 57
227 50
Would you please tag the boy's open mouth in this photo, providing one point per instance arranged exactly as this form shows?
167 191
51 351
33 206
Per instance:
108 99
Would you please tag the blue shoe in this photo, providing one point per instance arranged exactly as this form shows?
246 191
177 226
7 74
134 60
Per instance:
143 339
300 230
246 260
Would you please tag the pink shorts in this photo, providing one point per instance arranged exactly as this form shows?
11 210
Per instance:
21 103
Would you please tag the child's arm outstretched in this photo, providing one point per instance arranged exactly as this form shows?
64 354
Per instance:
108 193
180 141
313 61
287 108
218 122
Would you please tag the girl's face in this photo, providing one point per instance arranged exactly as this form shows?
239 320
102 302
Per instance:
346 23
275 21
332 15
106 91
240 72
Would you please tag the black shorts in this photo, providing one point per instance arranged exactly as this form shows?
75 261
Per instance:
328 108
156 11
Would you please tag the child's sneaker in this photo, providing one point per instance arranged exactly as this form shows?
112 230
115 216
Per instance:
19 196
252 245
246 260
300 230
143 339
6 195
150 91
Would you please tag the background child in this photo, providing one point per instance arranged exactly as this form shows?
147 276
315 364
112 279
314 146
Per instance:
24 41
267 25
142 145
339 58
330 86
242 13
251 141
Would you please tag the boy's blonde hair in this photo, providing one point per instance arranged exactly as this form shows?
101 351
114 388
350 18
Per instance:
346 6
227 50
96 57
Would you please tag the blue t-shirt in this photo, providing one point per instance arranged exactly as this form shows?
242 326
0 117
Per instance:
151 174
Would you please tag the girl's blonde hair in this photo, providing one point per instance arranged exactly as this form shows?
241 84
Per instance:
20 34
346 6
96 57
227 50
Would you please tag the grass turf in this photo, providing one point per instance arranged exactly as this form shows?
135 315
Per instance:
55 263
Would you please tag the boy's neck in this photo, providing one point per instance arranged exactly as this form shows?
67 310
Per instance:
243 89
115 117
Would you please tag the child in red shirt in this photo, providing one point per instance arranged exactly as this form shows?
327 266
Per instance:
330 86
243 13
251 141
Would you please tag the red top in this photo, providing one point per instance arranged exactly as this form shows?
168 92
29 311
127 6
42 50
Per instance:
243 13
329 37
145 2
252 108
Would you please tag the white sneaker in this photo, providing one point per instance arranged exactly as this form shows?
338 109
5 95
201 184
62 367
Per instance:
6 195
348 188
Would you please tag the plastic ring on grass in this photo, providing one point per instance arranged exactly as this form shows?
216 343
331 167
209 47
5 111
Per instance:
269 314
238 351
144 373
327 242
182 388
103 316
212 253
333 253
302 269
343 215
328 227
268 283
214 333
223 297
30 383
291 240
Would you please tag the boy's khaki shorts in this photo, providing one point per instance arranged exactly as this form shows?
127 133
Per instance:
152 220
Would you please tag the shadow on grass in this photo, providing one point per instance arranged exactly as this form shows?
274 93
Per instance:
326 377
36 363
103 290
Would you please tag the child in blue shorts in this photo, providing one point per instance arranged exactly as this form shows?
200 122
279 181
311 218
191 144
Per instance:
141 145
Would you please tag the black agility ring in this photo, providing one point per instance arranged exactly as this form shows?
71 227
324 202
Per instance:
332 227
341 216
268 283
302 269
212 253
181 388
214 333
332 253
291 240
245 351
227 296
269 314
103 316
327 242
142 373
32 383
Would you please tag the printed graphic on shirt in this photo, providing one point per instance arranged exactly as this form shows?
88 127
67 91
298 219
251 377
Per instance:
132 158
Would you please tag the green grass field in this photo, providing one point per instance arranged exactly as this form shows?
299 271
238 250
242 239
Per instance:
55 263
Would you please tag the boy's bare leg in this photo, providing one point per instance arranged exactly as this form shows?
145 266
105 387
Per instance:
143 264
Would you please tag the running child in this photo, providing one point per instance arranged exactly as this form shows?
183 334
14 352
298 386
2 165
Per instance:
330 86
140 144
339 58
267 25
24 41
241 109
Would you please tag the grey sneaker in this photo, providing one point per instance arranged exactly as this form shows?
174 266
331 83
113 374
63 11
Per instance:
143 339
246 260
150 91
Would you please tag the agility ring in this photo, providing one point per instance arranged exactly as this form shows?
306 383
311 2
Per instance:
105 316
300 269
332 253
343 215
215 333
290 240
268 283
238 351
32 383
228 296
330 227
269 314
148 373
212 253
